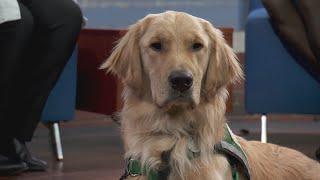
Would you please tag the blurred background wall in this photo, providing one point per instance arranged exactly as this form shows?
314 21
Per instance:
121 13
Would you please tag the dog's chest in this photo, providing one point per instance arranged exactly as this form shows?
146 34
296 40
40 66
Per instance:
219 168
216 166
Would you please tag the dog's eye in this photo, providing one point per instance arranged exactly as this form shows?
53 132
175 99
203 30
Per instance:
157 46
197 46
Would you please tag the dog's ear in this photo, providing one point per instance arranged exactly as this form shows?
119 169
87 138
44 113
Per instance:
125 60
223 66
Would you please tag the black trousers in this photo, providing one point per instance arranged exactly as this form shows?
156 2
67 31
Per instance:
33 52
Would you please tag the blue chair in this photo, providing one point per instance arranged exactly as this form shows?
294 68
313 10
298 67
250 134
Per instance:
60 105
275 82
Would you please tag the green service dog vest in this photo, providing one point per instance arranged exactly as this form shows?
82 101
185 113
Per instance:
229 147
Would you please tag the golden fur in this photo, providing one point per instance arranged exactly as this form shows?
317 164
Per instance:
155 121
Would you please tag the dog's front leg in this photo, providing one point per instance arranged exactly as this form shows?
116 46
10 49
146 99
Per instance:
154 148
150 152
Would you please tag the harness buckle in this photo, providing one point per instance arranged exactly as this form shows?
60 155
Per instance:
132 168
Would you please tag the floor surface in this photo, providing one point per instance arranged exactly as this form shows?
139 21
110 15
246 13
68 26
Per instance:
93 150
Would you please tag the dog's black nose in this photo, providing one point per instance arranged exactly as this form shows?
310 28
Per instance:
180 80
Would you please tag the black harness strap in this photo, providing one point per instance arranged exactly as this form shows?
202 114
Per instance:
235 157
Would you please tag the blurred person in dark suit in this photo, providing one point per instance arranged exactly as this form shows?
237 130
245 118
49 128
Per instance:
37 38
297 22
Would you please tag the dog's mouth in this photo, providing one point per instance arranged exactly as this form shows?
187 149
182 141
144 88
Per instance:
177 104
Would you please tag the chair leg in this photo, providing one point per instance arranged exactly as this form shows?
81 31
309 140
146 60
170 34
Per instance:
264 128
57 140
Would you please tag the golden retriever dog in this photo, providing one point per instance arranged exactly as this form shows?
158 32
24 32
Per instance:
175 69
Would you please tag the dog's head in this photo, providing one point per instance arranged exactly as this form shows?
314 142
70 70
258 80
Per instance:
178 59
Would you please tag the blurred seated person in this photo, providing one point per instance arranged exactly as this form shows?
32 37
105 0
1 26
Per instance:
37 37
297 22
